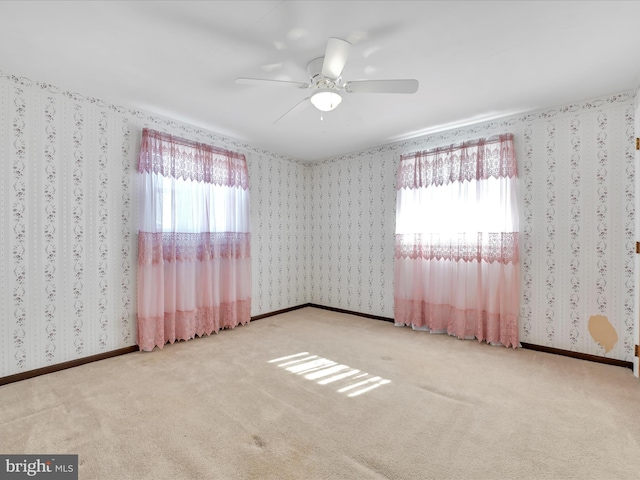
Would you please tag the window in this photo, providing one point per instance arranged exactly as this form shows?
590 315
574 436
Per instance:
456 257
190 206
194 261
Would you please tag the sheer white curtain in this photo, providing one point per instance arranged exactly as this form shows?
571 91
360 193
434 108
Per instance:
456 250
194 261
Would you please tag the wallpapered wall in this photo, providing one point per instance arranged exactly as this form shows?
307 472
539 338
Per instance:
577 195
279 240
321 233
68 220
636 334
352 232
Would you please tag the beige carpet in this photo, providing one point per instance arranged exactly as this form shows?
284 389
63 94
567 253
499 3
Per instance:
217 408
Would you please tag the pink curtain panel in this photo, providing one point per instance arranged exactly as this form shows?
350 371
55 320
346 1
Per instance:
194 255
456 244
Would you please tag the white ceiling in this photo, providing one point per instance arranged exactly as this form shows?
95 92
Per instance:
475 61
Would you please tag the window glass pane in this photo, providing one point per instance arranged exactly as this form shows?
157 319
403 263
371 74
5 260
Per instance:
190 206
458 207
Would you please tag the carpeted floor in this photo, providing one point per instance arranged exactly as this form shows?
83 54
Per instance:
419 406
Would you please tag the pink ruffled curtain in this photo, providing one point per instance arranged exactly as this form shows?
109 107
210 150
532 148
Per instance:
456 245
194 256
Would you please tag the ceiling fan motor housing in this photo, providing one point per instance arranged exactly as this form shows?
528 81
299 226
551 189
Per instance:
314 69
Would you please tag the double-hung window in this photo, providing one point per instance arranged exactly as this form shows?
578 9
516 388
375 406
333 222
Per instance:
194 261
456 245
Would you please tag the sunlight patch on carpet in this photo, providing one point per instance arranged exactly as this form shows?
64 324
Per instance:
351 381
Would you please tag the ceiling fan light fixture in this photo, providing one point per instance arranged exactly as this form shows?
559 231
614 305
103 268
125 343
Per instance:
326 100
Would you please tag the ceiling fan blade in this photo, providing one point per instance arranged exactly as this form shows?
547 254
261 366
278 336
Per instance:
270 83
296 107
382 86
335 57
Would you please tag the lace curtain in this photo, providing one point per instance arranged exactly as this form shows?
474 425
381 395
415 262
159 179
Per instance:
456 244
194 256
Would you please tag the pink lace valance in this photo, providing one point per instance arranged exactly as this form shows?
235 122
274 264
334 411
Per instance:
487 247
177 157
154 248
480 159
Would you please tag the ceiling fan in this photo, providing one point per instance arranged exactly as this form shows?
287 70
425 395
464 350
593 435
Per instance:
326 80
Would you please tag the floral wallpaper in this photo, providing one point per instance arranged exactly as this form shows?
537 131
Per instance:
636 334
69 250
321 233
577 221
352 233
279 223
